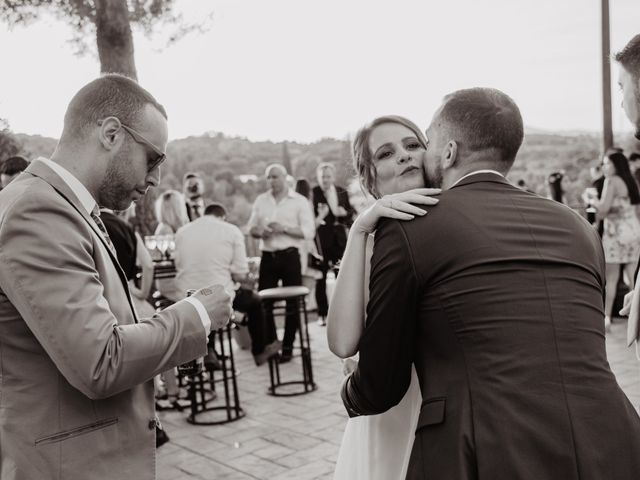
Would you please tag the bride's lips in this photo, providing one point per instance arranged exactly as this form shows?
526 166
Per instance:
409 169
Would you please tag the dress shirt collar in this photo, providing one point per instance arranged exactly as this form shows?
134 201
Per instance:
76 186
476 173
290 194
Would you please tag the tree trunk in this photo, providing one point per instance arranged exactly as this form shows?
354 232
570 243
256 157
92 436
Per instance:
114 38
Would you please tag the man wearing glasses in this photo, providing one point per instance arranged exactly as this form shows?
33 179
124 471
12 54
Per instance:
77 363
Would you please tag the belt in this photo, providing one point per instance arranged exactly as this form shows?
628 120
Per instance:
286 251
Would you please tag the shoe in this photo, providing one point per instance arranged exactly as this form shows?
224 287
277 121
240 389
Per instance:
269 351
285 356
211 361
322 322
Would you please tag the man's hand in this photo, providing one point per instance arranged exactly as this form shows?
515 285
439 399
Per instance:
341 212
323 211
628 298
349 365
276 227
217 303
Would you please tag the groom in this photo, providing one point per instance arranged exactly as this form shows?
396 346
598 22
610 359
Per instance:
496 296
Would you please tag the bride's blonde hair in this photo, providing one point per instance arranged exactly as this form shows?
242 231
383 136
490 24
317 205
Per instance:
362 155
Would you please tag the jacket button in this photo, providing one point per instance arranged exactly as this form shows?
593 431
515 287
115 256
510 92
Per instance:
152 424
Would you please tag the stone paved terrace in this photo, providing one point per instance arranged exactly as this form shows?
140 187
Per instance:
297 438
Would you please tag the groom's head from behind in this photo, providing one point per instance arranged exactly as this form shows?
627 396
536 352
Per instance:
474 129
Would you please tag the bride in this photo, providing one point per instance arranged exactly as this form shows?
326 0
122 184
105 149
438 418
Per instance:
387 155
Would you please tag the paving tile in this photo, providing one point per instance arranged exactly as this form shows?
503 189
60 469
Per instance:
283 438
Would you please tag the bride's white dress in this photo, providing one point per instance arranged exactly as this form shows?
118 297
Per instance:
378 447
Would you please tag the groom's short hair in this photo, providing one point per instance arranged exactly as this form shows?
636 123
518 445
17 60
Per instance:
484 119
629 57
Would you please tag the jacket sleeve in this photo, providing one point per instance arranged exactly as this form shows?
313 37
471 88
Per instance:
48 273
387 344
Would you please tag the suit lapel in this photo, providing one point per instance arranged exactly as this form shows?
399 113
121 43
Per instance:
43 172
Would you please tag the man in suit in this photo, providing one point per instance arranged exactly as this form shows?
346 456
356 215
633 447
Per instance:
496 297
629 81
193 188
77 364
334 214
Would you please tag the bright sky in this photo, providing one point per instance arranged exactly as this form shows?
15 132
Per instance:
302 70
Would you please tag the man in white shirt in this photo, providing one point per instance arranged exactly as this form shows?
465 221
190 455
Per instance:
77 362
282 220
211 251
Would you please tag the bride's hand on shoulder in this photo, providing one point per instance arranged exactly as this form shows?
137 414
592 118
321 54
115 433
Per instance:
398 205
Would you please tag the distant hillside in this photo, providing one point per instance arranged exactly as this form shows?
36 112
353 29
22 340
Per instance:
222 159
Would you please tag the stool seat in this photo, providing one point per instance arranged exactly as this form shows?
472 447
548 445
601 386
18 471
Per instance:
283 293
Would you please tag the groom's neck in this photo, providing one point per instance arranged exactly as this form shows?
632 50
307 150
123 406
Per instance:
452 175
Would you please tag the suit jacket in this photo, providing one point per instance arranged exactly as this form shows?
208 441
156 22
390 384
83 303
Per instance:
496 296
76 369
332 235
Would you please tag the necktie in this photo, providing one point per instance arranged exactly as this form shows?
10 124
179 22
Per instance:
95 215
196 210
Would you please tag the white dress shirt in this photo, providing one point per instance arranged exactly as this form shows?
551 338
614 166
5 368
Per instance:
208 251
292 211
89 203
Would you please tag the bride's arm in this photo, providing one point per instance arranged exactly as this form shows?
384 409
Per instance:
346 309
345 321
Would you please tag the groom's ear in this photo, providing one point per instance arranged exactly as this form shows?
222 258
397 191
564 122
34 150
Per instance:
450 155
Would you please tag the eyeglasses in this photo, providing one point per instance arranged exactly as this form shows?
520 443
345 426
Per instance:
139 138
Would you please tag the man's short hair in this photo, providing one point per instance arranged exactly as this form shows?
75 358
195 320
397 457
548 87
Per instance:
109 95
484 119
279 166
215 209
189 175
629 57
14 165
326 166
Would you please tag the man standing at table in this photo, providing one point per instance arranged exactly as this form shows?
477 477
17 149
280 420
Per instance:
334 214
76 385
282 220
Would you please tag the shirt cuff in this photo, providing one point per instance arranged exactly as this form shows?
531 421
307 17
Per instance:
202 312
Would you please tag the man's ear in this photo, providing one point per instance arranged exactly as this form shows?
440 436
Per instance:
107 133
449 155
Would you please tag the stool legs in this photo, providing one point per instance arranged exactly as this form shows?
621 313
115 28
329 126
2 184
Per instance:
197 391
307 382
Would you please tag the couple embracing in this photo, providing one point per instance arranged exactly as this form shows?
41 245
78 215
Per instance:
483 351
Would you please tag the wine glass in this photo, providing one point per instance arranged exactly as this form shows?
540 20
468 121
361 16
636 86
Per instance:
163 244
150 241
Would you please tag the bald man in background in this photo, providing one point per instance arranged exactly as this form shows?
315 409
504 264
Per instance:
282 219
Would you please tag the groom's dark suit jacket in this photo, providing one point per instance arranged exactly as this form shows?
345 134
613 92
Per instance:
496 296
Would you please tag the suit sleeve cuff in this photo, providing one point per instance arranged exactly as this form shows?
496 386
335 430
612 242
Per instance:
202 312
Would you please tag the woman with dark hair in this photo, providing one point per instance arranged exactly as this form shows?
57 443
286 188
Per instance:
621 236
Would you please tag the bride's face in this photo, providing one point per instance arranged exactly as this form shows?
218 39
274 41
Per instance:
397 157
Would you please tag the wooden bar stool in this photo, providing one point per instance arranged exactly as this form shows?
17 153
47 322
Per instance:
272 297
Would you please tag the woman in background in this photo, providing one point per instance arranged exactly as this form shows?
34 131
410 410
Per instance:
621 235
171 213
